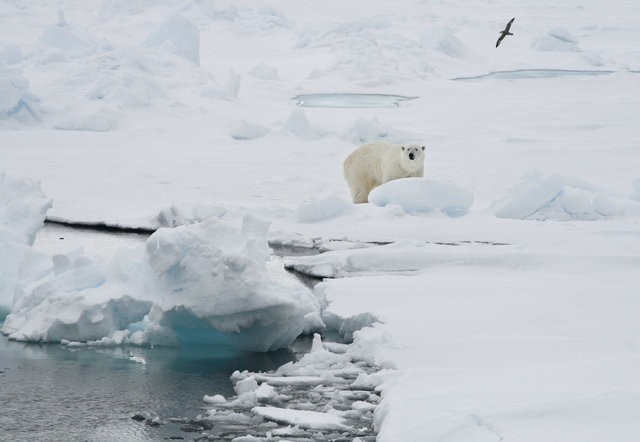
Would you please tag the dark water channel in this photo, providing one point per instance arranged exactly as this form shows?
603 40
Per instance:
49 392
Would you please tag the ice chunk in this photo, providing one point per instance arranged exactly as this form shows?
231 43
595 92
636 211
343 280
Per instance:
575 202
179 36
421 195
13 86
367 129
557 198
603 205
93 122
247 131
265 392
302 418
215 399
67 42
299 125
531 198
246 385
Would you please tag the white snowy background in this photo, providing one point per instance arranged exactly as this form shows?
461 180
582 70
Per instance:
507 302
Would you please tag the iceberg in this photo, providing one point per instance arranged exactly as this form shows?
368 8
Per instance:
204 283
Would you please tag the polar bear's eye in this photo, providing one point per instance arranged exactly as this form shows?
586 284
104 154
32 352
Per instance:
423 147
402 147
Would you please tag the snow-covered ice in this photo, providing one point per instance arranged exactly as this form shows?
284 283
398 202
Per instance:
417 195
514 321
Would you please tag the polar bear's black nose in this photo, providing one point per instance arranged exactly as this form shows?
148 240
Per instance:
411 156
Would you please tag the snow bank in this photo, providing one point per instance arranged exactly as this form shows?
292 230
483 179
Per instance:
179 36
417 195
205 283
555 197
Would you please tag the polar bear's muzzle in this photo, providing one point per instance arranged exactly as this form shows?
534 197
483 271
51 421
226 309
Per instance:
412 156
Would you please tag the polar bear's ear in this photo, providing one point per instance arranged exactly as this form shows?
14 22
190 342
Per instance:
423 147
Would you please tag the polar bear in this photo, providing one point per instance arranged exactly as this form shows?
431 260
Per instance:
373 164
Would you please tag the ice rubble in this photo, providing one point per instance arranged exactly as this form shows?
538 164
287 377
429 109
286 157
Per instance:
555 197
207 282
334 388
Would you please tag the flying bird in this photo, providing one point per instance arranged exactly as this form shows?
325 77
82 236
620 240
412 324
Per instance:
505 32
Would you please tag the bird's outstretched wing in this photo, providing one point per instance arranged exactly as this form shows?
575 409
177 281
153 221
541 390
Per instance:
500 39
506 29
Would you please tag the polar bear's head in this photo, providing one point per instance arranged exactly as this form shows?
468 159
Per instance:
412 157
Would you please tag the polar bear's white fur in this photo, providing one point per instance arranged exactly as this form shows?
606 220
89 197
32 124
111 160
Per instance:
373 164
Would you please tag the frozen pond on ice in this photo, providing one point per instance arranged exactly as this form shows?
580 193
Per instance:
522 74
350 100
